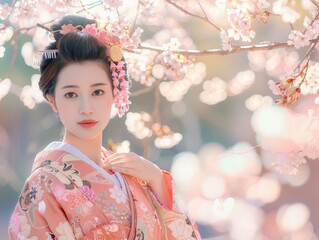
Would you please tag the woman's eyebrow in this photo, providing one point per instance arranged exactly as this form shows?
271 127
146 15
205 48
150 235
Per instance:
76 86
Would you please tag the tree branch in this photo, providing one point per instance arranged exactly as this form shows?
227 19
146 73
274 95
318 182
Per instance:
236 49
194 15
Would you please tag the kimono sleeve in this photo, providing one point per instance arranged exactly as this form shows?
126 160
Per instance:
178 226
38 215
168 181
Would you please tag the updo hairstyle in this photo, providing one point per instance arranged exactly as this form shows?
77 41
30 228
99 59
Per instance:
73 47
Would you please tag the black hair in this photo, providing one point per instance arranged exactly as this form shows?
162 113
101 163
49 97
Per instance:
73 47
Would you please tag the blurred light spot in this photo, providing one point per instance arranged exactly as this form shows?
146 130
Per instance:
270 120
179 108
31 94
266 189
213 187
208 154
223 208
184 168
245 221
5 86
241 82
6 34
214 91
2 50
168 141
240 160
200 209
27 52
175 90
306 232
292 217
136 123
256 60
123 147
257 101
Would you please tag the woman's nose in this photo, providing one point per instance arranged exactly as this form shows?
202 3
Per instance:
86 106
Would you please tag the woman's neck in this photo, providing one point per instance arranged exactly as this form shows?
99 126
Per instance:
91 148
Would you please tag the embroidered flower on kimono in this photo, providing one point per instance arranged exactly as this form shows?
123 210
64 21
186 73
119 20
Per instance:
181 230
65 231
143 206
88 192
78 202
15 223
117 194
63 173
36 192
20 221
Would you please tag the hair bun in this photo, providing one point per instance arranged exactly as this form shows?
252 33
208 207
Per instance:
75 20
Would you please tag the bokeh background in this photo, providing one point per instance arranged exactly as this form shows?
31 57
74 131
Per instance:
224 178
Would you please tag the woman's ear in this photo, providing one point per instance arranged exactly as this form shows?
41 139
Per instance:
51 101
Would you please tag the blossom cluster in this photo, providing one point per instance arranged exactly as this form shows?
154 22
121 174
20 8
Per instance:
311 32
176 65
30 94
141 68
142 126
175 90
305 82
216 90
240 15
121 29
166 138
137 123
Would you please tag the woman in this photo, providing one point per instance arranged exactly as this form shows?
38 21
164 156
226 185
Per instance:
77 188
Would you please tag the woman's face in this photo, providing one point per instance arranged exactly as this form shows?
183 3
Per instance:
83 92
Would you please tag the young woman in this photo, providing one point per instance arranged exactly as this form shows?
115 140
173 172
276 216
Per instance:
77 188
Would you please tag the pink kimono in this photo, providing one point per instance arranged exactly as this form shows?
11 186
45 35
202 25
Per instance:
69 197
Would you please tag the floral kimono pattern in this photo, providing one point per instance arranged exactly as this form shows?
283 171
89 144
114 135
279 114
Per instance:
65 198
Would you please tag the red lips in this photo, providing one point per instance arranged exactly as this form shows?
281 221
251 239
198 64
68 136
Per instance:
88 123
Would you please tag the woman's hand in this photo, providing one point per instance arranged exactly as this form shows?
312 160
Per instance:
134 165
143 169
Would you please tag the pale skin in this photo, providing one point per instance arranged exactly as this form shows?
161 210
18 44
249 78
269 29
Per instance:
84 91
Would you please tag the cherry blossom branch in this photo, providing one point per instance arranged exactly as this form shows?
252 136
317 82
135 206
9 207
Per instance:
92 5
84 7
313 20
236 49
194 15
136 16
146 148
156 112
309 52
315 3
206 17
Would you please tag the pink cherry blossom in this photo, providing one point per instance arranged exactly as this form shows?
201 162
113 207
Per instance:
114 3
274 87
5 10
288 163
298 39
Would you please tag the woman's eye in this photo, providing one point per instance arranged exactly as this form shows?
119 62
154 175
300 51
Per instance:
70 94
99 92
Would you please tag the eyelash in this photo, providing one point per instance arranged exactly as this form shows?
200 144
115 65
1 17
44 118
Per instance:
68 94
